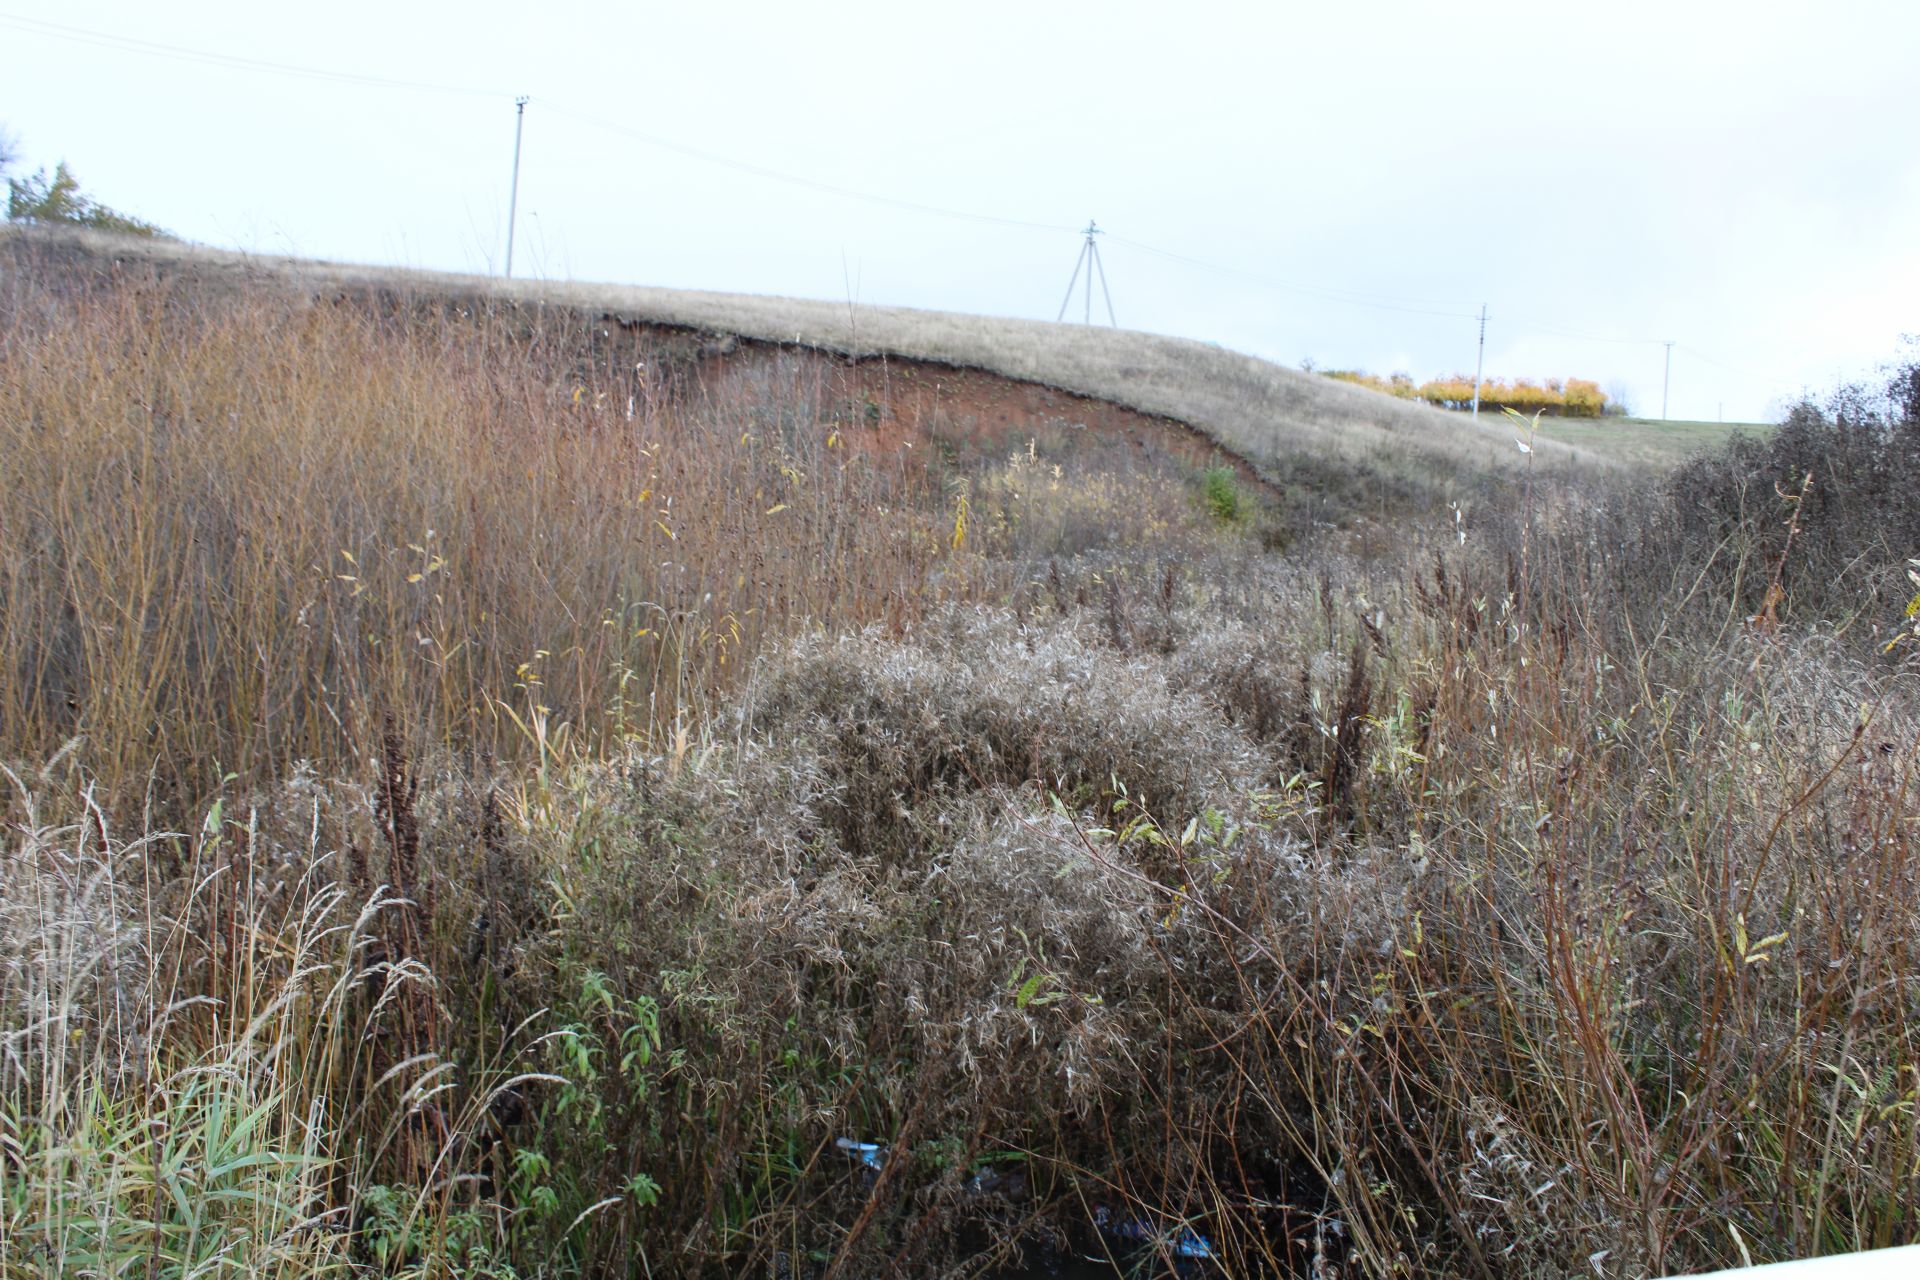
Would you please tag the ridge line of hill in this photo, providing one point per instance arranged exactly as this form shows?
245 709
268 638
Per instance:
1273 417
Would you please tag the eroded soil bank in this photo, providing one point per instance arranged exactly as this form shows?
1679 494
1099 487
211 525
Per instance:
887 403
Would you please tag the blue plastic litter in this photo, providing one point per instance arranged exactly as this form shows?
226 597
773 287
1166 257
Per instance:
1184 1241
870 1154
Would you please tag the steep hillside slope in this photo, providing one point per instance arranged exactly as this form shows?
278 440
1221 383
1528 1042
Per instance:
1272 416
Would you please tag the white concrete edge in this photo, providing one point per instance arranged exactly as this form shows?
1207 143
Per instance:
1880 1264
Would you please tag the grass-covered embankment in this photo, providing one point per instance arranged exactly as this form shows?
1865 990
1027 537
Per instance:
1534 897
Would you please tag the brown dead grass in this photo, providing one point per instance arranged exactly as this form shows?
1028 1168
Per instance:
1496 907
241 530
1431 923
1263 412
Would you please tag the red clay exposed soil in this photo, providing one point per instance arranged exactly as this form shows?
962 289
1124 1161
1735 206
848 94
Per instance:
883 403
919 400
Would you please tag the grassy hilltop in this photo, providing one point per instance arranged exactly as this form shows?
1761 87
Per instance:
502 779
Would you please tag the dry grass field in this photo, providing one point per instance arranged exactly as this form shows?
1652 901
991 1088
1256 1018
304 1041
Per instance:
462 819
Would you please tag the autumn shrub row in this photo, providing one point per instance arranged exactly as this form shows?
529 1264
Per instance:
1556 397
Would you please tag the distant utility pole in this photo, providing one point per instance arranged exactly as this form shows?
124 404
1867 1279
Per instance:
1090 259
513 199
1481 363
1666 380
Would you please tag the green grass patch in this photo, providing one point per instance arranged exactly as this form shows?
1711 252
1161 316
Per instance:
1647 441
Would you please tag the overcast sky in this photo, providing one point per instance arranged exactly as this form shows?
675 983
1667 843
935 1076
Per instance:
1743 179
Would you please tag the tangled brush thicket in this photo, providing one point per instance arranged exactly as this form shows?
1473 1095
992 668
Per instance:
1430 926
995 859
1437 923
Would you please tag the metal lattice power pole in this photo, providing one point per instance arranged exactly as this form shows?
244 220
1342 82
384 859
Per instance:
1090 259
513 197
1480 362
1088 317
1099 266
1072 280
1666 380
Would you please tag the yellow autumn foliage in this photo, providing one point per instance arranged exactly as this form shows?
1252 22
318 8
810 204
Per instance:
1555 397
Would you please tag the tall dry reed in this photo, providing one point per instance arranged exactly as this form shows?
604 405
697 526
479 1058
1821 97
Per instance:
239 528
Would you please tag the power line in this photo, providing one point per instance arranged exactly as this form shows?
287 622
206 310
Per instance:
239 62
761 171
1377 301
1090 258
1742 370
513 196
1580 336
131 44
1666 379
796 180
261 65
1102 269
1480 361
236 62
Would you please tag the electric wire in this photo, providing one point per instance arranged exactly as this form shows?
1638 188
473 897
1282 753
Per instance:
1580 336
1376 301
794 179
239 62
1730 367
767 173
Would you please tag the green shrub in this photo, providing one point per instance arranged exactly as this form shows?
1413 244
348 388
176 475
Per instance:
1220 490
